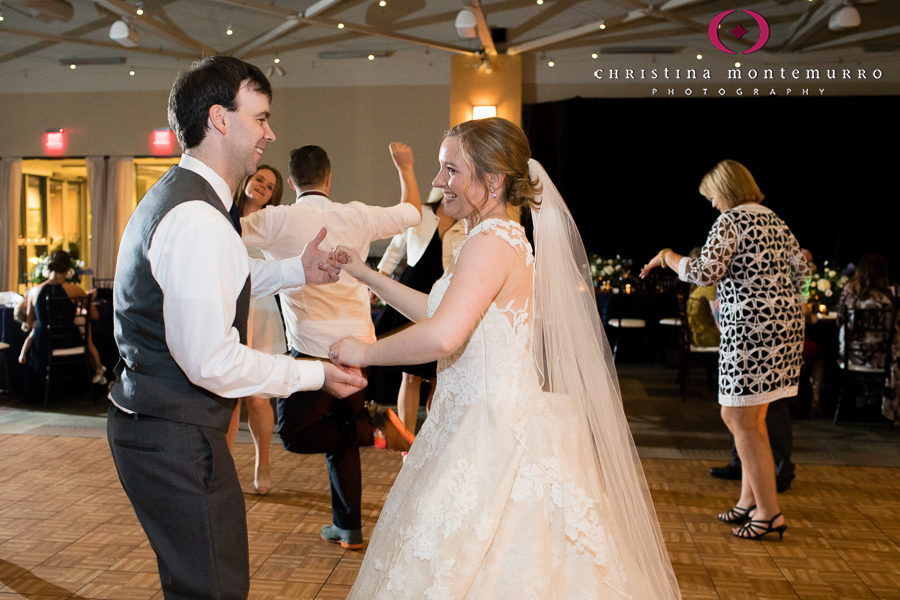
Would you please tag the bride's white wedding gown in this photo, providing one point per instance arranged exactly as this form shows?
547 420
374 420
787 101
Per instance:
499 496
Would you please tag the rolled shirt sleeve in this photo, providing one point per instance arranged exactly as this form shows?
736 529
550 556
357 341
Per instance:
201 265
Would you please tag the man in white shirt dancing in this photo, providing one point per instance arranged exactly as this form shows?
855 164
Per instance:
316 317
181 298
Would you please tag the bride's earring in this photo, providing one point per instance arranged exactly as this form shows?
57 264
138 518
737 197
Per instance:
493 193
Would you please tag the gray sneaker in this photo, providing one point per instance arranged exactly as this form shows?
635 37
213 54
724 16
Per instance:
351 539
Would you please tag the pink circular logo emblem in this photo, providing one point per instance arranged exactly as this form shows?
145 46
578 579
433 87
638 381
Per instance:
738 32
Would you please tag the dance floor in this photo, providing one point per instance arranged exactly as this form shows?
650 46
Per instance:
68 531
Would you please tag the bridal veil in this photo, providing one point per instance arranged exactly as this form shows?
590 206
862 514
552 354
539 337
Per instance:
574 357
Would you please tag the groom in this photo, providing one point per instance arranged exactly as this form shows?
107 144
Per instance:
181 301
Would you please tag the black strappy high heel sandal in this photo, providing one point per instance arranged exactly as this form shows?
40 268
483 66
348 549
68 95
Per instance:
756 529
736 516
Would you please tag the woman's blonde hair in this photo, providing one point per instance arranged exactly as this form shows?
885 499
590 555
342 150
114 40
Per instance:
495 145
733 182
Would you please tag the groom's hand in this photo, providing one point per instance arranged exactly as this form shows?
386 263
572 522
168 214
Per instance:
342 382
316 267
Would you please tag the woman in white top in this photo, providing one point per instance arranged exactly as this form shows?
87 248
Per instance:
265 328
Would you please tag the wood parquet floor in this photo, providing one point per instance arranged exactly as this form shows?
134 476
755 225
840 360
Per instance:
68 531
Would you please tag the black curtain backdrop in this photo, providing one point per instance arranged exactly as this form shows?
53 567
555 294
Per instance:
630 169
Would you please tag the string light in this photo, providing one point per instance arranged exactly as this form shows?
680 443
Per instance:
603 25
699 56
551 63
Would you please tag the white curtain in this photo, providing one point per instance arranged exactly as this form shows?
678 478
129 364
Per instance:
10 204
95 166
111 213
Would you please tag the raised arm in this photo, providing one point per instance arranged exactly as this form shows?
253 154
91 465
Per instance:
482 269
402 156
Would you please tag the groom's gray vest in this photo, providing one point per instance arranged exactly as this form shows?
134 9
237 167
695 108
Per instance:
148 381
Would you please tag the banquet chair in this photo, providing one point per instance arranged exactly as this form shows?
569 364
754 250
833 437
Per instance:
866 357
4 367
68 329
690 352
623 324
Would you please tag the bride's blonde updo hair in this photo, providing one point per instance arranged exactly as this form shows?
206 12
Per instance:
495 145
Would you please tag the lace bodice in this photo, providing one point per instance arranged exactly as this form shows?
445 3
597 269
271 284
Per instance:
497 354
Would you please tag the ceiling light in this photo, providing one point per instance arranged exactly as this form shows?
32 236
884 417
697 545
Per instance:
124 34
699 56
229 30
846 17
382 3
594 55
540 2
465 24
73 66
140 9
131 72
340 25
276 60
371 57
603 25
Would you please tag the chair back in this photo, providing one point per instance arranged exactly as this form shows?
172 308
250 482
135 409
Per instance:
867 335
68 326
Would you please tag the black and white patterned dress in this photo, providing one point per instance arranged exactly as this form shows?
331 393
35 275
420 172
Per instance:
762 280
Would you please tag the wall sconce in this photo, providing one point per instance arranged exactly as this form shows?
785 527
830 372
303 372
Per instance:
55 141
483 112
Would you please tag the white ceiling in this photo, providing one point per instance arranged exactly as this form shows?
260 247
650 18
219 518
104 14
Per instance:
412 39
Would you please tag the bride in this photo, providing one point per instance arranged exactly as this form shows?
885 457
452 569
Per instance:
524 481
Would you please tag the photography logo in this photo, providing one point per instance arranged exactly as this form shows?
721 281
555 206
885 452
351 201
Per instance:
738 31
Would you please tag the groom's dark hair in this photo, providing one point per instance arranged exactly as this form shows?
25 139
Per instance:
210 81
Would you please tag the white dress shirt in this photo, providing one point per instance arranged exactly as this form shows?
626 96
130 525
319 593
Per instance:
318 315
201 265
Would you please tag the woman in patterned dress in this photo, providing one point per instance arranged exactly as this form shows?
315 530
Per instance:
762 281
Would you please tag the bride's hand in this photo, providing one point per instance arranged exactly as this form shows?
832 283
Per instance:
349 352
346 259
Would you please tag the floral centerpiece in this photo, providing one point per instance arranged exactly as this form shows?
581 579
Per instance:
40 271
609 269
826 283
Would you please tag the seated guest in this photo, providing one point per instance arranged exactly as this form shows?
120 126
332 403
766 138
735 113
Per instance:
34 352
870 289
701 319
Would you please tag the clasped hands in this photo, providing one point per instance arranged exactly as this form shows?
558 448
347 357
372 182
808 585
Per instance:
322 266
